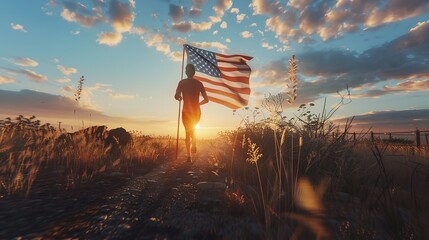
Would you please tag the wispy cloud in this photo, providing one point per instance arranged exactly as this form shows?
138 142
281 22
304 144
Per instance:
59 108
219 46
77 32
79 13
64 80
192 26
30 74
390 121
25 62
6 80
132 3
224 25
18 27
121 96
66 70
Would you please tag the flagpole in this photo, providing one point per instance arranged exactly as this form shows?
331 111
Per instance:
180 106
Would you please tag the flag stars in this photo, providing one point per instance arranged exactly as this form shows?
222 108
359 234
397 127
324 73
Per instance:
204 61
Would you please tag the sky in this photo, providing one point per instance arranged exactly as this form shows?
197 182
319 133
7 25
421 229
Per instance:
130 54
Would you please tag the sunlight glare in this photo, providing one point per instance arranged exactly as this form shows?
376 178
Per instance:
197 127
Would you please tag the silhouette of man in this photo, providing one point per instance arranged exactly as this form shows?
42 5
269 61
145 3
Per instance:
189 90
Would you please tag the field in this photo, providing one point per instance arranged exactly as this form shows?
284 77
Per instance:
297 179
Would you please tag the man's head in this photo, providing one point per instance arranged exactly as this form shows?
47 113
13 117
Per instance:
190 70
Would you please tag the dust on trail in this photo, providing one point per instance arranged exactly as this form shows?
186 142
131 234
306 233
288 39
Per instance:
162 204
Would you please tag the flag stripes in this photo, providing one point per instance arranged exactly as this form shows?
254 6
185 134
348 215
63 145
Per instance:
225 77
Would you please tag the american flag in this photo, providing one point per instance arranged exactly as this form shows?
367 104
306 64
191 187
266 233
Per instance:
225 77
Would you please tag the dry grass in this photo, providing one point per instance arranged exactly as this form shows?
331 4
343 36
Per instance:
30 150
306 179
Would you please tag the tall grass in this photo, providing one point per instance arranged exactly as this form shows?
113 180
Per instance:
29 151
304 169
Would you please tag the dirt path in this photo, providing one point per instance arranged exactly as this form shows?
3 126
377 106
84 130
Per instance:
170 202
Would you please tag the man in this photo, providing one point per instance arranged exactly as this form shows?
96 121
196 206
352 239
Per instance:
189 90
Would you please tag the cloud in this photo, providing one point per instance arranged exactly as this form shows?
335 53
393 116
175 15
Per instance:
267 46
133 3
32 75
246 34
109 38
66 71
139 30
299 19
64 80
228 40
215 32
191 26
235 10
176 12
394 11
197 5
224 25
265 7
6 80
176 56
77 32
18 27
219 46
419 25
121 96
122 17
195 12
240 17
403 59
401 87
390 121
79 13
157 41
54 108
25 62
221 6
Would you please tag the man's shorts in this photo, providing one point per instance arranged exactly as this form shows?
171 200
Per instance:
190 120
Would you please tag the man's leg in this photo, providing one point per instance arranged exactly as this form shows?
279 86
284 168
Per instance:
188 143
194 142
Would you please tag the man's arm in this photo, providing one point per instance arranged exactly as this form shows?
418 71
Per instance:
178 95
204 94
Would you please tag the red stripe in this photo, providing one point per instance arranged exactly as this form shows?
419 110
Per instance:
225 103
231 69
235 79
226 94
235 55
231 61
239 90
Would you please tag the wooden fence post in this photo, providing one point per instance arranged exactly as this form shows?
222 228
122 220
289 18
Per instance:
354 136
418 138
426 136
390 136
372 136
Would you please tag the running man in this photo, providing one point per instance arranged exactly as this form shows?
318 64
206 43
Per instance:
189 90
